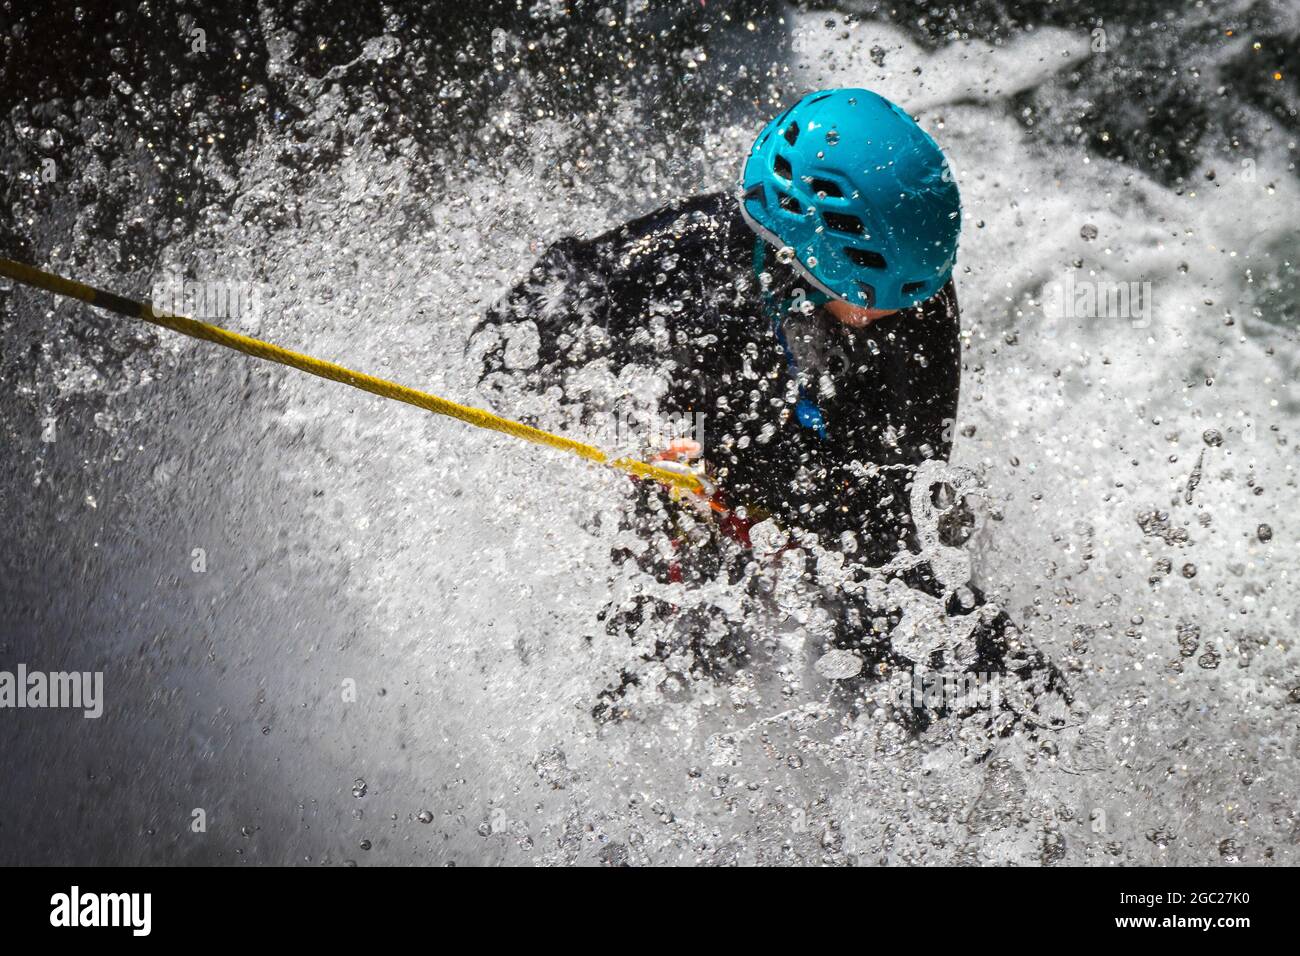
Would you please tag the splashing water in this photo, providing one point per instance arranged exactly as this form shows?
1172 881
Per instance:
398 632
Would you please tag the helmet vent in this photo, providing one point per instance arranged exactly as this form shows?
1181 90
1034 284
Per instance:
829 188
791 133
781 166
789 203
842 222
865 258
910 287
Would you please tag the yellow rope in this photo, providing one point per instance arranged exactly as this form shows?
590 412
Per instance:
336 373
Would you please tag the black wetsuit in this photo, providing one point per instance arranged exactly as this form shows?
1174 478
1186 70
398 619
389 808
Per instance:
676 292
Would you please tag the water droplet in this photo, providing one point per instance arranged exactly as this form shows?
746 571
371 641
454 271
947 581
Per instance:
839 665
381 48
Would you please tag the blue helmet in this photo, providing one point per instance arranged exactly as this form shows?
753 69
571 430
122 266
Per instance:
861 196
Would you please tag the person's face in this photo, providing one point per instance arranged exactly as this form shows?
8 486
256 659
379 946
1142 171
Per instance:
855 316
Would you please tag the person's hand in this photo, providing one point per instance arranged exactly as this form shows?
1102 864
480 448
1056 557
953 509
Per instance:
684 455
681 450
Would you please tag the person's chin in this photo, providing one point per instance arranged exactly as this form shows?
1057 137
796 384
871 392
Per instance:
859 318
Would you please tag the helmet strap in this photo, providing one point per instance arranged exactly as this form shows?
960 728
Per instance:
807 412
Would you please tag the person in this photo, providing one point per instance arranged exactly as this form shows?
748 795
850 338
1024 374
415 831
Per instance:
809 320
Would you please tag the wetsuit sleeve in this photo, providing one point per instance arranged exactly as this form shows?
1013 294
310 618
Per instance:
552 320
